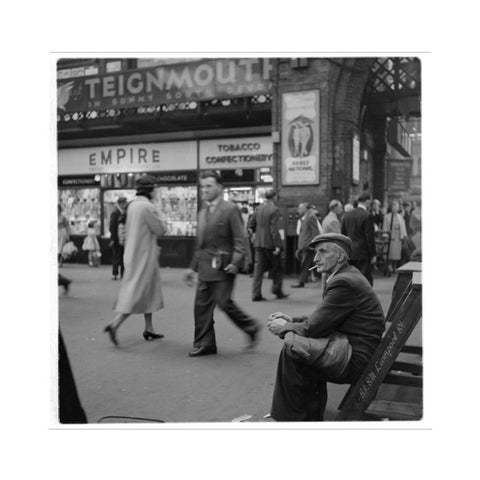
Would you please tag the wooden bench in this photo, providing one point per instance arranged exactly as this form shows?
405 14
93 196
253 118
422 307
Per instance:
384 368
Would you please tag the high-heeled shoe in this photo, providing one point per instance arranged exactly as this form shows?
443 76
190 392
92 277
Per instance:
112 334
150 335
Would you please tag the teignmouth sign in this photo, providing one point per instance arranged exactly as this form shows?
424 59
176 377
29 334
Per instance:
202 80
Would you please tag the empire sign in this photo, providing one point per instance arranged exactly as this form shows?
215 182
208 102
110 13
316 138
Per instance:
202 80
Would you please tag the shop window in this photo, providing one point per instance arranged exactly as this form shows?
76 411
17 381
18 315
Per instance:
177 207
80 206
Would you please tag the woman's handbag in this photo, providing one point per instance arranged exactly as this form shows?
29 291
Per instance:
69 250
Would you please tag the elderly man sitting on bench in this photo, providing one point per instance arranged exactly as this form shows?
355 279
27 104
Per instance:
334 343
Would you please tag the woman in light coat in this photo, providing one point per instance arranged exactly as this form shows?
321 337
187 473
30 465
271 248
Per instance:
140 291
394 223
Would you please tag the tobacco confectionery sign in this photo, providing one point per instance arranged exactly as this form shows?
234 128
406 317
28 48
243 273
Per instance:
142 157
300 138
201 80
235 153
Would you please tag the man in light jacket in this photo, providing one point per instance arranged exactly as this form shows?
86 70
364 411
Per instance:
349 310
331 223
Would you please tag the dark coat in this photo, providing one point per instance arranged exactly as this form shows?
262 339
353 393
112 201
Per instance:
224 233
351 307
358 226
308 230
264 223
116 214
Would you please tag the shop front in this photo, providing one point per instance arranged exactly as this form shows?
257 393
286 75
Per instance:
90 181
245 165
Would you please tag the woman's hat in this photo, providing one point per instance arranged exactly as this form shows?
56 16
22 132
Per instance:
146 181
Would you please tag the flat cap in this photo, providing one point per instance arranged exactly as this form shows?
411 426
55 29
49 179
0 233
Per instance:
341 240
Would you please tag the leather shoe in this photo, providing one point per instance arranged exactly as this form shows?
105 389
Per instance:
253 337
258 299
282 295
204 350
298 285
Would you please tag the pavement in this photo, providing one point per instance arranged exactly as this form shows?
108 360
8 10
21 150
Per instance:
156 380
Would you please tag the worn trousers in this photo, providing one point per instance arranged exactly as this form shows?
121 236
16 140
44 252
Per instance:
207 297
300 393
117 260
306 262
265 261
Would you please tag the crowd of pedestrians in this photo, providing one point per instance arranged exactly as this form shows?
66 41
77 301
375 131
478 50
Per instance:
340 249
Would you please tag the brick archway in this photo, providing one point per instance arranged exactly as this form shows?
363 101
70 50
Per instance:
348 79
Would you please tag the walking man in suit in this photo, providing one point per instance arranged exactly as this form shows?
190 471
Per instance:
358 226
308 230
218 254
268 245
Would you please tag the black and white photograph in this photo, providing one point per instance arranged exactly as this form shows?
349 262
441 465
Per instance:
230 241
239 239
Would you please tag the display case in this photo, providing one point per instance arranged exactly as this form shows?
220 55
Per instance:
246 196
240 195
110 198
177 207
80 206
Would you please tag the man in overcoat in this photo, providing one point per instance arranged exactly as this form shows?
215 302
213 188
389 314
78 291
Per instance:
219 252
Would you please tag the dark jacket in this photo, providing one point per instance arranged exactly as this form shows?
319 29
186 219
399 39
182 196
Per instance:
223 233
358 226
264 222
116 214
351 307
308 230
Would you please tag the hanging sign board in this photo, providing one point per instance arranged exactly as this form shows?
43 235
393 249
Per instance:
355 160
134 158
398 174
300 138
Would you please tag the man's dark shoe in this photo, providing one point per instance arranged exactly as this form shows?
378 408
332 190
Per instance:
282 295
253 337
298 285
205 350
258 299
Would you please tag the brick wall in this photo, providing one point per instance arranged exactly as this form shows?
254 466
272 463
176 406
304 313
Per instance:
340 82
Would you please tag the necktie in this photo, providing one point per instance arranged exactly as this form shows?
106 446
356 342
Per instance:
208 212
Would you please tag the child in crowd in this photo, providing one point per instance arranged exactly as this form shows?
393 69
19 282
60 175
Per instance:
91 245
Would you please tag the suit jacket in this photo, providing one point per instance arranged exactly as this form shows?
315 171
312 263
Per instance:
114 225
223 232
351 307
264 223
308 230
331 224
358 225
